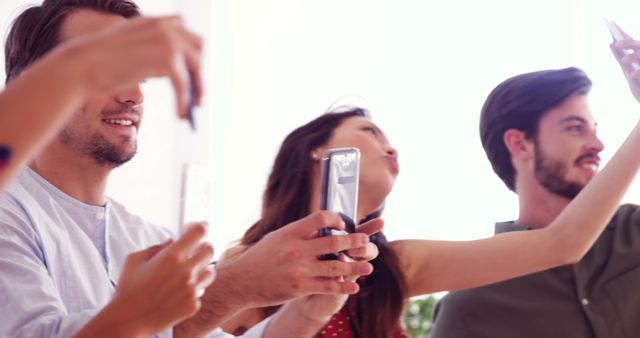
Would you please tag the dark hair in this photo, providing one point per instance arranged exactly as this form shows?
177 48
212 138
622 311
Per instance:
520 102
287 199
36 31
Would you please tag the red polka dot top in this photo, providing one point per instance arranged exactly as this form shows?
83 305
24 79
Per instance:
340 326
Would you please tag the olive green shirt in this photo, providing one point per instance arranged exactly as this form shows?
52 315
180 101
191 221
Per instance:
597 298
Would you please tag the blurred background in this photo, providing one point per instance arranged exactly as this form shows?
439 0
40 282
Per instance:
423 68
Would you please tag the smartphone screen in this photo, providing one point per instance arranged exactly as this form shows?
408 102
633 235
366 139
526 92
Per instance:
339 187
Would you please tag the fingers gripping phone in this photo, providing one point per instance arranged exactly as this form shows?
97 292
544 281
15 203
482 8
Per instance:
340 175
617 35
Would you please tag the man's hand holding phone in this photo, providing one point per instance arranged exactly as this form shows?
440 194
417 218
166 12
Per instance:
627 52
159 286
313 311
280 267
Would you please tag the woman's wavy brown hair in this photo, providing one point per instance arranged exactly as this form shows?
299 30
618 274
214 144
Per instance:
287 199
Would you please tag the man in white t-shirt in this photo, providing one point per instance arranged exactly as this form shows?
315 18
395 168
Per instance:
63 242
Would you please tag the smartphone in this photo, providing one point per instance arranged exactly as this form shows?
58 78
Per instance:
192 105
618 36
195 194
340 174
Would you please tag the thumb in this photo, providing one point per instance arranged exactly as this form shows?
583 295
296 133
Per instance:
371 227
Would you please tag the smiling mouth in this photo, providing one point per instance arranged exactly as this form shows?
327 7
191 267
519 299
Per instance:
119 122
590 166
589 161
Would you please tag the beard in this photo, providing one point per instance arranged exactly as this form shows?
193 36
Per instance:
98 148
550 173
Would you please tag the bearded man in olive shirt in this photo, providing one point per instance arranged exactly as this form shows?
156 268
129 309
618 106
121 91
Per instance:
540 138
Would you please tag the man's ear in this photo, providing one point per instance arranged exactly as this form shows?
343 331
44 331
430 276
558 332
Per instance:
518 145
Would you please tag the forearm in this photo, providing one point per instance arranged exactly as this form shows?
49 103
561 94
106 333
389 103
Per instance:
34 105
114 321
581 222
223 299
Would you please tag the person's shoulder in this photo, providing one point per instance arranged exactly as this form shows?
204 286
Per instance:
450 309
627 214
19 207
497 292
628 207
18 187
455 298
20 194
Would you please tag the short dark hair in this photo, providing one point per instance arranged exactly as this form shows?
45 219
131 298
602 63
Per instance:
519 103
36 31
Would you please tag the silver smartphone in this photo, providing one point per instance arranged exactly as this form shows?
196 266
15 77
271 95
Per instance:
340 175
195 194
617 36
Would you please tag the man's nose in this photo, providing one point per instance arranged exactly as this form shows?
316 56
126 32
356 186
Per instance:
595 144
132 95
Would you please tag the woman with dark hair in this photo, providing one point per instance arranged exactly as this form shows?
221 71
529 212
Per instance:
408 268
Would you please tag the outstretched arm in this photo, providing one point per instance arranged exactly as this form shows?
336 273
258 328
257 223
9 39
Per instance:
431 266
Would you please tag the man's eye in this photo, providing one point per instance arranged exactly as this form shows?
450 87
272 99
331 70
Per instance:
370 130
575 129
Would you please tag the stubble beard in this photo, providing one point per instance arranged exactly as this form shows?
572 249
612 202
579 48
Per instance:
551 173
98 148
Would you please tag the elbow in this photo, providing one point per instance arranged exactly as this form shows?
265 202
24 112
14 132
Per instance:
567 248
572 256
572 259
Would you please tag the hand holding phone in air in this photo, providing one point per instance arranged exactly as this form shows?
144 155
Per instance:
619 35
627 52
